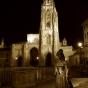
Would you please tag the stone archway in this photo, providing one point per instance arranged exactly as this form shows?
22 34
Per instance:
48 61
34 57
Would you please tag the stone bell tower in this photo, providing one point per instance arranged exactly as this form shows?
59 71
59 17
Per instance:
49 35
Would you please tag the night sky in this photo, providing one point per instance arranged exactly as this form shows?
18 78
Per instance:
21 17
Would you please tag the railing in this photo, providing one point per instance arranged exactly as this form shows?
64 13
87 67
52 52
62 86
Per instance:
22 77
5 77
78 71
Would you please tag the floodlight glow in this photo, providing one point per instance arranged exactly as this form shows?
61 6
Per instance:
80 44
30 38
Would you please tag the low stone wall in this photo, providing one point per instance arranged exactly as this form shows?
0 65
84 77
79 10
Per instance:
22 77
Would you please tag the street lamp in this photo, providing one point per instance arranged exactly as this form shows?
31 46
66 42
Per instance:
80 45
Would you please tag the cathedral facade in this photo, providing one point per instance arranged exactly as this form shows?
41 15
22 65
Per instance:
40 49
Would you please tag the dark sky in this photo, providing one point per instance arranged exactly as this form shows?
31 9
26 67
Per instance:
21 17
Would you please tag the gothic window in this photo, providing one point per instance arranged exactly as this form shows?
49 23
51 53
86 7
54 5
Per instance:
48 18
48 24
48 39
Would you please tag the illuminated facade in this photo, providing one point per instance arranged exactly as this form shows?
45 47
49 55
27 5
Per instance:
46 43
49 34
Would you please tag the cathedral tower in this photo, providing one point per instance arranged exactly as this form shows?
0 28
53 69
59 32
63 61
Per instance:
49 35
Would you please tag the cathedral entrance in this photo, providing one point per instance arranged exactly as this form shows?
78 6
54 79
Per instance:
34 57
48 59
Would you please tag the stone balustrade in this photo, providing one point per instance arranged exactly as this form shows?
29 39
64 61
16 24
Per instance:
22 77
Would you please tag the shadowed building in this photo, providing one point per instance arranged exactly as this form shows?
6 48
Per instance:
84 50
5 54
81 56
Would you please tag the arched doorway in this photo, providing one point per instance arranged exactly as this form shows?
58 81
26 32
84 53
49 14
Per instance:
48 61
19 61
34 57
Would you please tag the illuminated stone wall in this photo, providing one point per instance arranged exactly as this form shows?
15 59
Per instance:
27 48
22 49
46 41
49 34
16 51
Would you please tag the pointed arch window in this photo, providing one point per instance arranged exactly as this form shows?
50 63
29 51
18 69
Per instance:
48 24
48 18
48 39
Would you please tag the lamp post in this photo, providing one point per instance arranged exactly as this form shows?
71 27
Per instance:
80 45
79 49
80 57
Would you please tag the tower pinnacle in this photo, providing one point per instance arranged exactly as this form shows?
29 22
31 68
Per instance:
48 2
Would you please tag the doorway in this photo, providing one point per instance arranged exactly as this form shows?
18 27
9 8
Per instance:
34 57
48 61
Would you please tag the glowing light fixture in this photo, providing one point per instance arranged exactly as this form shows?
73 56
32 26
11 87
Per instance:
80 44
16 58
37 58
